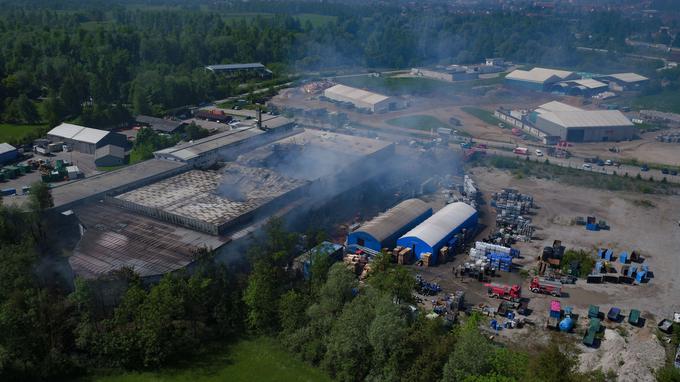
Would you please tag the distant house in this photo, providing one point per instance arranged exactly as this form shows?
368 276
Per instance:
109 155
84 139
254 68
8 153
160 125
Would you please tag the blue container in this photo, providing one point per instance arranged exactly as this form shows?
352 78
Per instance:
511 315
600 253
568 310
645 268
494 324
555 314
9 191
514 252
592 227
566 325
608 255
623 257
640 276
632 270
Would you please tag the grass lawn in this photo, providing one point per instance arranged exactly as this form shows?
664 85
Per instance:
16 133
418 122
258 359
482 114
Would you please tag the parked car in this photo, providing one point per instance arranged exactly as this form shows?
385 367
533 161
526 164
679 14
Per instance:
664 171
674 172
587 166
608 162
644 168
539 153
600 163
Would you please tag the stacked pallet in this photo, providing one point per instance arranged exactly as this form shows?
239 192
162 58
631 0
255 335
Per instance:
444 254
405 256
427 259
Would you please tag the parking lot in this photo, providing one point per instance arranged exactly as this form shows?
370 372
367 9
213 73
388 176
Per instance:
84 162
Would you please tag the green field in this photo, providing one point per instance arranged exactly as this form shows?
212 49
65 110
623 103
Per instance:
259 359
418 122
20 133
482 114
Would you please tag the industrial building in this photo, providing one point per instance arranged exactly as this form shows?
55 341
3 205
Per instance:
228 144
586 87
160 125
363 99
254 68
450 73
624 81
576 125
439 229
85 139
177 209
109 155
384 230
8 153
538 78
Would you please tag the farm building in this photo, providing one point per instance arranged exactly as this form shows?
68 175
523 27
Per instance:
624 81
538 78
84 139
8 153
160 125
384 230
435 232
109 155
254 68
363 99
576 125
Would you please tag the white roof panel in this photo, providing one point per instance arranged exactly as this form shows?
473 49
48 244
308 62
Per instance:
66 130
355 94
590 83
6 147
539 75
629 77
587 118
556 106
442 223
89 135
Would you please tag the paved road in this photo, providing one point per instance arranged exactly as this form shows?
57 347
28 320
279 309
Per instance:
577 163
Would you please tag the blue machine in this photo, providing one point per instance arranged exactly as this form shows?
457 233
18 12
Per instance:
566 325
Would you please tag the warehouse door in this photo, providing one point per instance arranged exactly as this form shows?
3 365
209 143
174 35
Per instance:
575 135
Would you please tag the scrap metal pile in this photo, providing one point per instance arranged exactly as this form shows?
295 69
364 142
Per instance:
669 138
470 192
512 209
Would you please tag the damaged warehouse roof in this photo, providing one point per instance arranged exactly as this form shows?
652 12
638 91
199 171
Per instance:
209 200
383 230
115 238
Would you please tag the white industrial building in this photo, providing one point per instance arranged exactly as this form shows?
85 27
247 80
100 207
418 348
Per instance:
577 125
538 78
363 99
85 139
624 81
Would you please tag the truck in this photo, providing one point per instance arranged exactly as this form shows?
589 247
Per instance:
504 292
521 151
553 288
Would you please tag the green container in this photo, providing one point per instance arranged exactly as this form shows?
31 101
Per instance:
59 164
3 177
24 168
11 171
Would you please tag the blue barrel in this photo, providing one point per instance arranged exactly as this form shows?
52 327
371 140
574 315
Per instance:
494 324
608 255
640 276
566 325
511 315
598 267
623 257
600 253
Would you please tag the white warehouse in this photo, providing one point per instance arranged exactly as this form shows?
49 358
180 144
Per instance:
363 99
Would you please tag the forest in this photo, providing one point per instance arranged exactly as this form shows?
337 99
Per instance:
98 65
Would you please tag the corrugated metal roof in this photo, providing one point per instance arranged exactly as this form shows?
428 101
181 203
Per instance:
539 75
589 83
396 218
628 77
194 149
6 147
442 223
556 106
359 95
78 133
159 124
66 130
587 118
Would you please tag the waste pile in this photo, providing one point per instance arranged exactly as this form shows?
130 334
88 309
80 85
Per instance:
632 269
488 256
512 209
669 138
470 192
426 288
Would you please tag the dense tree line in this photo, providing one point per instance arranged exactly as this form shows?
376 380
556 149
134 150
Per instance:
98 66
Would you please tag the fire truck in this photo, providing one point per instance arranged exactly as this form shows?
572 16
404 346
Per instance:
553 288
504 292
